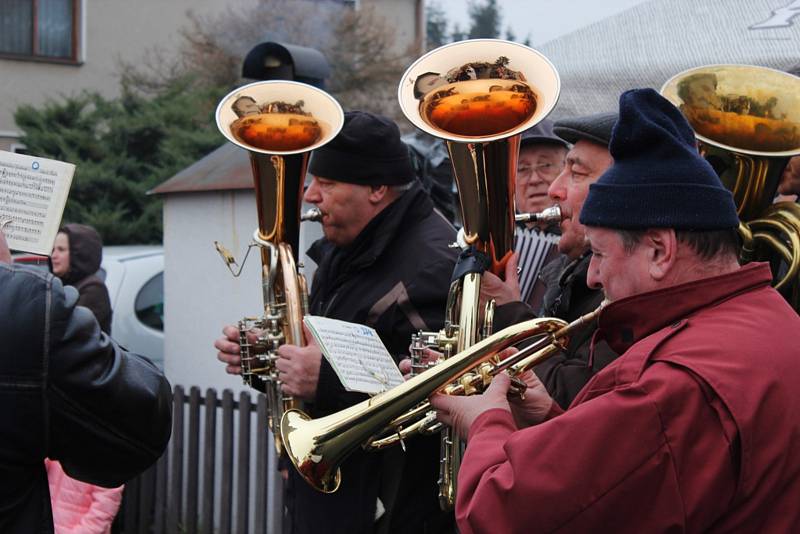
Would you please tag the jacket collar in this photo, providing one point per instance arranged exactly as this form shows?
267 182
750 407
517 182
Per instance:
413 205
626 321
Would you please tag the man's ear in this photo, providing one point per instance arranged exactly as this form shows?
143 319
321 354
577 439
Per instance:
662 249
377 193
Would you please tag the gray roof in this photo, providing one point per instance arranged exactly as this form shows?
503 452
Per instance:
226 168
647 44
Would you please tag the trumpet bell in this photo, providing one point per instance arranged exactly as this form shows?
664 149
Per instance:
299 431
284 132
478 109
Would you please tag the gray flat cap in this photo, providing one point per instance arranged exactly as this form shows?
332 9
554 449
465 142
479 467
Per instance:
595 128
541 134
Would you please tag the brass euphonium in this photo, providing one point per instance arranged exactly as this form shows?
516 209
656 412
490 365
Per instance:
478 96
747 123
278 123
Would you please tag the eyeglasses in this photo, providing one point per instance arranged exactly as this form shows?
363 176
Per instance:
546 171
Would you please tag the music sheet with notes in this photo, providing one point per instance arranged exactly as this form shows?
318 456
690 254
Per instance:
33 192
356 354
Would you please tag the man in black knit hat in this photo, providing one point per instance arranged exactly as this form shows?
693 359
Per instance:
694 427
385 262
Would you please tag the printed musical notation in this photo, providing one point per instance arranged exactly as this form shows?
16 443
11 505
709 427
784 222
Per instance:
356 354
33 192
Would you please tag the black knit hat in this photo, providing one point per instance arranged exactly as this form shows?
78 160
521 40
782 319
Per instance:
658 179
542 134
367 151
596 128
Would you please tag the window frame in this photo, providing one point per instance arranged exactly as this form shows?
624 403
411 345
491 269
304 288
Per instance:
75 59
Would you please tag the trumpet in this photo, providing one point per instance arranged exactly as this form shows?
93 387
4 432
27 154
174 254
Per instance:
318 447
747 123
278 123
478 96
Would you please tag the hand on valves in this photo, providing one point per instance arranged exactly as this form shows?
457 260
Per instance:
298 367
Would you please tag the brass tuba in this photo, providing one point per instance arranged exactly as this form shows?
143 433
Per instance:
278 123
747 123
478 96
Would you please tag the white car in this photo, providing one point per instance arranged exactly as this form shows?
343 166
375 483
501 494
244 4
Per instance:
134 276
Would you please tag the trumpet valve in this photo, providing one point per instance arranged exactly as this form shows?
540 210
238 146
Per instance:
518 388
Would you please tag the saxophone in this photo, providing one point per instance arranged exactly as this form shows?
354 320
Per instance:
478 96
278 123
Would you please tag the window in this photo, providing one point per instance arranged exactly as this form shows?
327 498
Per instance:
40 29
150 303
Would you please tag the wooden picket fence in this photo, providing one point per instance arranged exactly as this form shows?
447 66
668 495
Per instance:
200 485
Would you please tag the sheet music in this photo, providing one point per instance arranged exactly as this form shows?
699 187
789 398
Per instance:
356 354
33 192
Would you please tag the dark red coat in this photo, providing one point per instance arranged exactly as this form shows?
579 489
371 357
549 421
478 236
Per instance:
695 428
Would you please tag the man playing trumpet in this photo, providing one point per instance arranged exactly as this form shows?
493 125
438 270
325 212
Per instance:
693 428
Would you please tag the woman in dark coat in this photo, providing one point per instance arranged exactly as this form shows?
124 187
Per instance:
76 257
79 506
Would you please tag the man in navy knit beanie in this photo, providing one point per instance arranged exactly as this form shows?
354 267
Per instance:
694 427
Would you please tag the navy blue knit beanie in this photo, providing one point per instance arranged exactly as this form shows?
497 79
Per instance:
658 179
367 151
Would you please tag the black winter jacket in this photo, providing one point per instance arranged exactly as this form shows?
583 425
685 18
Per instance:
567 297
70 394
394 277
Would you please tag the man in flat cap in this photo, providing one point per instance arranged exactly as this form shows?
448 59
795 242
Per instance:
694 427
385 262
562 281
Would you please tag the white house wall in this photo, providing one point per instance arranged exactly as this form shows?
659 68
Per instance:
201 295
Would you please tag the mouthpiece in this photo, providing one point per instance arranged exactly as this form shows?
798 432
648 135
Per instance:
313 215
550 215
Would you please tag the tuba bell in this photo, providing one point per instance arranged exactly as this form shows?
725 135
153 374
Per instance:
278 123
747 123
478 96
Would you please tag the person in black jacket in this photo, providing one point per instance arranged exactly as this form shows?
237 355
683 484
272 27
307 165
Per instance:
563 280
68 393
77 254
385 261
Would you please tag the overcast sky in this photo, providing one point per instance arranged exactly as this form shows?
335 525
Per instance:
543 20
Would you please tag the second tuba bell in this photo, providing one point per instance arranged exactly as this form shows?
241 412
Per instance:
747 123
478 96
279 123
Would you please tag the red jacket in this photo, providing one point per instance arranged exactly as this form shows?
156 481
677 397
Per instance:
695 428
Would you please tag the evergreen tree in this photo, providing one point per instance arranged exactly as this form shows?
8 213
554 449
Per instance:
458 34
485 19
435 26
122 148
510 34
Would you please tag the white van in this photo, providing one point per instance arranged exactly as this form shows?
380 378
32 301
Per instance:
134 276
